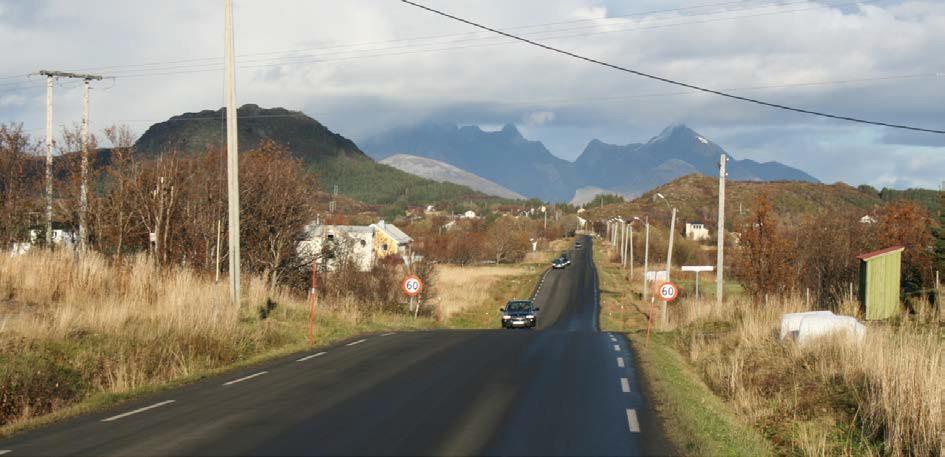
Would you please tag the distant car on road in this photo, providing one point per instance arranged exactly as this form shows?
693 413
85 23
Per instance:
567 259
578 245
519 314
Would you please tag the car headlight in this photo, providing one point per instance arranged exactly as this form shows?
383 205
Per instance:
530 316
506 317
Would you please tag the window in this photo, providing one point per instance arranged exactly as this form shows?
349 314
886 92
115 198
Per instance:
384 247
363 243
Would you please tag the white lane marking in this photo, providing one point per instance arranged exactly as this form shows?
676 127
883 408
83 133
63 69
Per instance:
616 347
311 356
356 342
245 378
620 362
5 451
388 334
139 410
625 384
632 421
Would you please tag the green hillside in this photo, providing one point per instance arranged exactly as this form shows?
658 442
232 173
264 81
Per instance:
696 198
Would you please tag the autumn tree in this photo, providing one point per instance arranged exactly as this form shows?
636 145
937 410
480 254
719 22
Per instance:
276 202
19 183
907 224
940 235
763 261
826 246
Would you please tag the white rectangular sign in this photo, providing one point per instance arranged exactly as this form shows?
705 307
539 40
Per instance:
656 275
697 268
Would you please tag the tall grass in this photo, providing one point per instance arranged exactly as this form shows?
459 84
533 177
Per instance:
71 329
885 394
465 287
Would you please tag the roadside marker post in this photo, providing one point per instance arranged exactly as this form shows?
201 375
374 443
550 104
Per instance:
314 304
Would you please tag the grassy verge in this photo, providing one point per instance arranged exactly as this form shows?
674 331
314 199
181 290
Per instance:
102 333
694 419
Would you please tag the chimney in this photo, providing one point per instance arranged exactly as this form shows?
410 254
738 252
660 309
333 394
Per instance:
381 224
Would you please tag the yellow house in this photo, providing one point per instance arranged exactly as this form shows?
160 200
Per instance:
389 240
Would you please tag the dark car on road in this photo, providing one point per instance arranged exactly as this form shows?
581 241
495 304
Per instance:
519 314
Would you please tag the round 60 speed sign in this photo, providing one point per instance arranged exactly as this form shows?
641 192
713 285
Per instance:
412 286
668 291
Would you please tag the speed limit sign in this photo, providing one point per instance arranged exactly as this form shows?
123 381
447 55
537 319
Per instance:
667 291
412 286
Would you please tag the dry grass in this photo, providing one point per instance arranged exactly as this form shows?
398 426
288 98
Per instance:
462 288
71 330
884 395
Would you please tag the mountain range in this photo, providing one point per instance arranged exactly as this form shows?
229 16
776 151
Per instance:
527 167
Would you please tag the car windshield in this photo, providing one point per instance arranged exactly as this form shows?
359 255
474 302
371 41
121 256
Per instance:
515 306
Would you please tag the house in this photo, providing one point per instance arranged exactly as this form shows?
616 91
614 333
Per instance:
63 236
362 245
332 244
867 219
469 215
389 240
697 231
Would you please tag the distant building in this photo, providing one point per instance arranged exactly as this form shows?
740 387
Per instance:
469 215
697 232
867 219
363 245
63 236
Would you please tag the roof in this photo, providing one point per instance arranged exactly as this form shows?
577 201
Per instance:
874 254
392 231
319 230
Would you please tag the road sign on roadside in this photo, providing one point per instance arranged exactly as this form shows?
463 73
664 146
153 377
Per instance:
697 269
668 291
412 286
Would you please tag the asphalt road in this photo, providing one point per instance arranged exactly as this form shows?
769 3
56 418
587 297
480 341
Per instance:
562 389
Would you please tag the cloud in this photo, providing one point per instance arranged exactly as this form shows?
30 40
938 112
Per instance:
892 136
363 66
539 118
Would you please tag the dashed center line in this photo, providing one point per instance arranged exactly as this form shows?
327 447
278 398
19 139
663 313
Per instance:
616 347
311 356
139 410
625 384
620 362
356 342
245 378
632 423
388 334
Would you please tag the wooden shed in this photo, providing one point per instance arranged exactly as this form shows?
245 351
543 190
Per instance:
879 282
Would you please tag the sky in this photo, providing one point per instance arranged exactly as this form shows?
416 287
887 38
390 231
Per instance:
365 66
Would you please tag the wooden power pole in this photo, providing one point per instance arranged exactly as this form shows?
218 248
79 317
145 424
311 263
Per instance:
84 189
232 161
720 262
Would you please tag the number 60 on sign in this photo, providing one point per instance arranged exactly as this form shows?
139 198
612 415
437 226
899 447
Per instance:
668 291
412 286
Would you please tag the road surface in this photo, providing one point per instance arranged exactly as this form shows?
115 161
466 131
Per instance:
563 389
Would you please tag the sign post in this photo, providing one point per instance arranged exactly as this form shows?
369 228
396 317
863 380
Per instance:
667 292
697 269
412 286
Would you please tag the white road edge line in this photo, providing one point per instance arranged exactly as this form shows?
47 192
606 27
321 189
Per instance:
616 347
5 451
620 362
625 384
244 378
632 421
388 334
311 356
356 342
139 410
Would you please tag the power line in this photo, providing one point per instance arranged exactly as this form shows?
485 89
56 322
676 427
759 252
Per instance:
207 64
668 80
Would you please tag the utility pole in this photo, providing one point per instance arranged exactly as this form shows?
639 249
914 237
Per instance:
232 160
646 255
49 154
720 262
631 249
83 191
669 253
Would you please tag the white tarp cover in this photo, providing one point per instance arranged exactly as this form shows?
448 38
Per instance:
815 326
791 322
